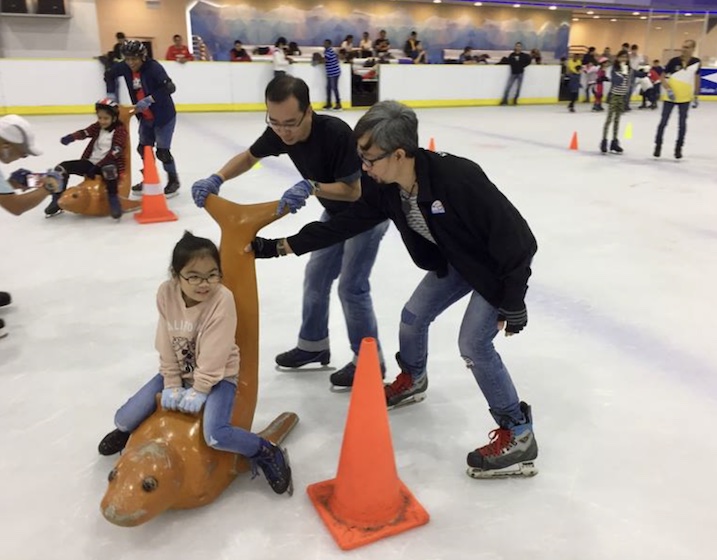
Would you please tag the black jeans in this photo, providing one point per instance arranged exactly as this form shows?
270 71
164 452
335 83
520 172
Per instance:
667 107
83 167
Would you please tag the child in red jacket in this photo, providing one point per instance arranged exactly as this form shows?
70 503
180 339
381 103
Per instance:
104 155
602 77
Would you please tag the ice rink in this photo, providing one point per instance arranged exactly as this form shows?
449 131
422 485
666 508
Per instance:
619 359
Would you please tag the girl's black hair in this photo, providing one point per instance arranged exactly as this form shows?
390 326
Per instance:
191 247
616 64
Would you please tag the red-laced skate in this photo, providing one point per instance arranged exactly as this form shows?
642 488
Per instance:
405 390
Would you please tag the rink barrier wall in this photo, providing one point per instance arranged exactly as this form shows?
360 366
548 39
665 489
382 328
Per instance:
226 86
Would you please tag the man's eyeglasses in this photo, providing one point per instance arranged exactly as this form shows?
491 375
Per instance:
287 125
368 162
195 279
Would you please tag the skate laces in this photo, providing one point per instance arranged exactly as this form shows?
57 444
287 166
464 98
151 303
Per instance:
500 440
267 461
403 383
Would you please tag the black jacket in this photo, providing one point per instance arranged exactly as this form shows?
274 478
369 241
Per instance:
518 62
476 228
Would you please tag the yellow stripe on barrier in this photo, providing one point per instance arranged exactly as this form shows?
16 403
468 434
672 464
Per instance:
260 107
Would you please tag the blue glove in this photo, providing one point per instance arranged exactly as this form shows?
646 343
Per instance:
671 95
112 96
192 401
171 398
204 187
92 173
20 176
68 139
295 197
53 181
695 103
143 104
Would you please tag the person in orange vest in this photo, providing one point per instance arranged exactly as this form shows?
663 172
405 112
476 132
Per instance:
178 51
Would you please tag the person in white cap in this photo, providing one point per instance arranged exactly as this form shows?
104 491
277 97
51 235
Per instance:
18 141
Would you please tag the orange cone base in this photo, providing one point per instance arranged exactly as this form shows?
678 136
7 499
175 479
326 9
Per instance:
166 216
349 535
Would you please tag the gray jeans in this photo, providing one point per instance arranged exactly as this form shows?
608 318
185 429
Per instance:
513 79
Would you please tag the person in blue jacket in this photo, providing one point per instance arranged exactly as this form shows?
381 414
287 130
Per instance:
150 90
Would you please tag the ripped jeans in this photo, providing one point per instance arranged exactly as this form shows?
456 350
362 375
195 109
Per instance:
218 431
475 340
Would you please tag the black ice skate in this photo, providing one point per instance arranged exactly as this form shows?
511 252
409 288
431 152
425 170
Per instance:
296 358
274 462
115 206
114 442
658 150
343 379
172 186
53 209
603 146
511 452
405 389
615 146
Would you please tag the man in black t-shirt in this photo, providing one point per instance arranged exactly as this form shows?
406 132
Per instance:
324 152
518 60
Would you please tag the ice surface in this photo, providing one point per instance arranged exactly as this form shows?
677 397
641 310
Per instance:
618 360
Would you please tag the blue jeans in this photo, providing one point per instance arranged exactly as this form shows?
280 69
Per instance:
151 134
218 431
475 340
667 107
351 262
511 80
332 84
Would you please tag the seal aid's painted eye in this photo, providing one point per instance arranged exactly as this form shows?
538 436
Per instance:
112 475
149 484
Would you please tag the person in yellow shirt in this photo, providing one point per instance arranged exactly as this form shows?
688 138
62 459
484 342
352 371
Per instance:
681 86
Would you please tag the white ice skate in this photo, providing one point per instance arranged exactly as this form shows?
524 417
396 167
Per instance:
524 469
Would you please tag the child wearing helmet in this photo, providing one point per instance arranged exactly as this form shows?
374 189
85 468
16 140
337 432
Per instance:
150 90
104 155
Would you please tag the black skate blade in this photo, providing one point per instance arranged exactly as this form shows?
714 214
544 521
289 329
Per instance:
305 369
526 469
55 214
413 399
340 388
172 195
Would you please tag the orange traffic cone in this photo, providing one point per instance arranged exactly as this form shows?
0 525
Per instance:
154 204
574 142
366 501
432 144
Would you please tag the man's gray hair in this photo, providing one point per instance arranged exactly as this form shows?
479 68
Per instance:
390 125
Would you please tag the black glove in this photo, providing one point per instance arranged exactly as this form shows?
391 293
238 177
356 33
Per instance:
265 248
515 321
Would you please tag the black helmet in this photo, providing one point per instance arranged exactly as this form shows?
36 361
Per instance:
133 48
109 105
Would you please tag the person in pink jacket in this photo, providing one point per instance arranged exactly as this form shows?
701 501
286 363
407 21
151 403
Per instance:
198 362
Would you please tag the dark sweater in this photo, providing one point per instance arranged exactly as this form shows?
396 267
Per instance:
476 228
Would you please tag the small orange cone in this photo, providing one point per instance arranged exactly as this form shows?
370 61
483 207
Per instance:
366 501
432 144
574 141
154 204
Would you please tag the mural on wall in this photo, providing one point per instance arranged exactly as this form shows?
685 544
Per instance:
439 27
